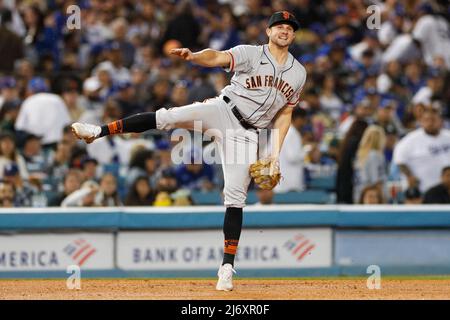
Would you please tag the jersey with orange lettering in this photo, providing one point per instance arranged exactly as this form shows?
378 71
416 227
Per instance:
260 86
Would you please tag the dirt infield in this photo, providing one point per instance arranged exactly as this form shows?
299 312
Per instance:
261 289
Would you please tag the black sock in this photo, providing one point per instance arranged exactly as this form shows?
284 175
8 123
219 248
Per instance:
232 226
139 122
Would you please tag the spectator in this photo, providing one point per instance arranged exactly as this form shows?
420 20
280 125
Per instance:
317 164
194 174
125 97
70 95
370 166
140 193
441 192
292 158
70 139
7 195
8 115
413 196
43 114
162 199
159 96
107 195
103 74
202 88
182 197
386 116
164 155
179 96
83 197
429 34
183 26
348 149
89 168
8 91
35 159
11 45
224 34
25 71
120 27
114 64
35 40
142 162
167 182
329 100
265 197
391 80
9 154
434 88
423 153
59 163
362 112
111 111
414 78
140 82
91 91
23 190
371 195
391 140
72 182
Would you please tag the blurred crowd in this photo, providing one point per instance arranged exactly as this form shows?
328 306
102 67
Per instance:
373 118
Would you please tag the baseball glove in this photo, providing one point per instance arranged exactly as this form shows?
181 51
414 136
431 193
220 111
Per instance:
266 173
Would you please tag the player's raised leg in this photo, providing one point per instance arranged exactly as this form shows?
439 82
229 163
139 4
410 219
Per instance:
139 122
211 114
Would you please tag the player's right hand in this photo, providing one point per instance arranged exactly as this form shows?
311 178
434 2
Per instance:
183 53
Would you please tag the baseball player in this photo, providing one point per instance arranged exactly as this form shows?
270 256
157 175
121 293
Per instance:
265 87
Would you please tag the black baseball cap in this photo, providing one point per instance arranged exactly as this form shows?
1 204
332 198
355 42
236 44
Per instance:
283 17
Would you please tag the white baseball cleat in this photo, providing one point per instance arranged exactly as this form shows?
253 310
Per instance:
85 131
225 282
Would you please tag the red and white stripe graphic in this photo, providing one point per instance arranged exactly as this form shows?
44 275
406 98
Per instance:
299 246
80 251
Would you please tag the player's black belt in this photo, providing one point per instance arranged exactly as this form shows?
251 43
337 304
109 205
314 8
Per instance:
239 116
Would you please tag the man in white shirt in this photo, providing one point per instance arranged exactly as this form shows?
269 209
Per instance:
423 153
291 158
429 39
43 114
432 34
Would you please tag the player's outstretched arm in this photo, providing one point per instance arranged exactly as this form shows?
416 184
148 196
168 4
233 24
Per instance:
206 57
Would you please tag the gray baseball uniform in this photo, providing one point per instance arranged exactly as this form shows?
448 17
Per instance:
259 88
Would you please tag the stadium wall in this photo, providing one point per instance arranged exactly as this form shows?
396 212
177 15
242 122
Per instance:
278 241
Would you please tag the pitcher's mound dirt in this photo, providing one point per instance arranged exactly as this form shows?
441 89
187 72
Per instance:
169 289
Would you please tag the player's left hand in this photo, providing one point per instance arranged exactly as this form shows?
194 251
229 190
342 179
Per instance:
183 53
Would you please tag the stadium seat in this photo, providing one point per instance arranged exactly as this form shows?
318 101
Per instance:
206 198
307 196
323 183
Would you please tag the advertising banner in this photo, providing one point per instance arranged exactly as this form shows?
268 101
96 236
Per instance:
56 251
190 250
